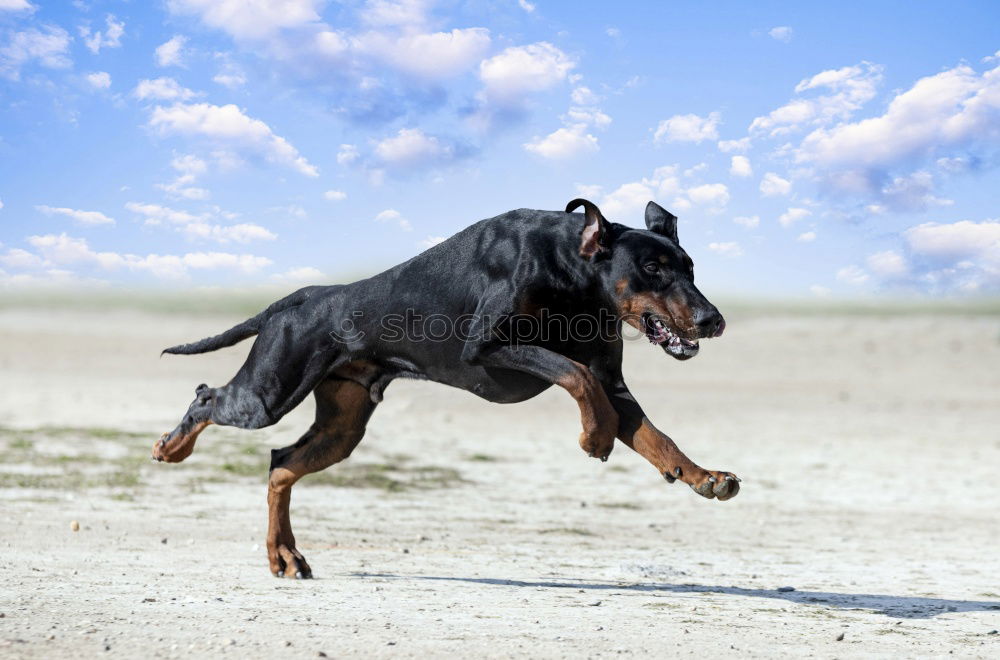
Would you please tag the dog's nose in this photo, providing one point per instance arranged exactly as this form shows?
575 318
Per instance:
710 323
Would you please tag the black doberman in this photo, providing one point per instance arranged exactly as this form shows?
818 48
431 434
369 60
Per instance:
504 309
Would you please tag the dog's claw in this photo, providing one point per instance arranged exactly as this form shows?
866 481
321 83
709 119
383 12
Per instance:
677 473
298 575
712 480
280 574
670 479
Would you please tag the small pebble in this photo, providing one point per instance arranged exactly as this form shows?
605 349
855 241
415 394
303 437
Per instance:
992 632
75 526
840 637
595 603
786 589
228 642
321 655
163 541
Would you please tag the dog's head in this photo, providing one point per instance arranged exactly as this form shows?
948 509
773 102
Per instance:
650 278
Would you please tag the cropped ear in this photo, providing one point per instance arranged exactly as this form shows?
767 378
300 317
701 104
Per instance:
661 221
595 238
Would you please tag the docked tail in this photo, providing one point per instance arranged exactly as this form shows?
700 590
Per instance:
248 328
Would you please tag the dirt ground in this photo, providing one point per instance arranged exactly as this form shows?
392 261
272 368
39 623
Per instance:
868 525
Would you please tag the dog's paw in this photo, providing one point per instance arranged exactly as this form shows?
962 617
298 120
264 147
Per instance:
287 562
598 444
715 484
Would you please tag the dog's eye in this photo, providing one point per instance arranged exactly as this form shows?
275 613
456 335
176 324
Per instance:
652 267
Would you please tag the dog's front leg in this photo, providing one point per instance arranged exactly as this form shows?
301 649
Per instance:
636 431
597 415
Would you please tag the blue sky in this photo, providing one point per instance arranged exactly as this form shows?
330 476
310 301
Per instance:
809 149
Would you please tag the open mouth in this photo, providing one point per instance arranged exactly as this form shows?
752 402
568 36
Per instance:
658 332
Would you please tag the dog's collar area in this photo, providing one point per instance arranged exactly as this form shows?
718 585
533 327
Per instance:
661 334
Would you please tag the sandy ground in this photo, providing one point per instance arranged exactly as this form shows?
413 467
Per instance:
869 449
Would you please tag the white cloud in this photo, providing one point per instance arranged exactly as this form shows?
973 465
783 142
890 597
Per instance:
583 96
335 195
90 218
16 5
945 115
631 198
392 215
526 6
793 215
728 249
239 233
401 13
249 19
852 275
588 191
49 46
588 116
688 128
956 241
819 291
230 74
566 142
21 259
411 148
959 257
521 70
299 275
781 33
162 89
110 38
171 52
156 214
911 192
740 166
773 185
806 237
850 88
99 79
887 264
347 154
1 204
613 32
431 241
247 263
200 227
228 125
189 164
179 188
627 199
709 194
63 250
748 221
730 146
431 56
189 167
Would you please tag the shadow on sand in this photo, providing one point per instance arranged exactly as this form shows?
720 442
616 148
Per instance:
903 607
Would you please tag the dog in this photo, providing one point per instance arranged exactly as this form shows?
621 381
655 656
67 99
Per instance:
533 298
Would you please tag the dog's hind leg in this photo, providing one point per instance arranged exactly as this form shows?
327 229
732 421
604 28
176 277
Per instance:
285 363
174 446
343 408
